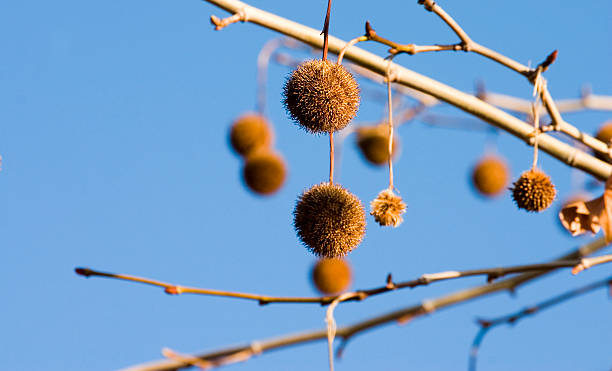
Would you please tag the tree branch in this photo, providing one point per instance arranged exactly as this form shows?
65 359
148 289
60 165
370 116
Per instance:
468 103
423 280
347 332
511 319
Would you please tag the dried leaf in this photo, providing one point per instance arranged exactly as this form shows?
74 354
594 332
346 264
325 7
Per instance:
580 217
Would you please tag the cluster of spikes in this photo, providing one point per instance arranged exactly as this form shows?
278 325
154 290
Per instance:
264 170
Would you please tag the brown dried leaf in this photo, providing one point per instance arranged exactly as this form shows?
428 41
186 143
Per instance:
580 217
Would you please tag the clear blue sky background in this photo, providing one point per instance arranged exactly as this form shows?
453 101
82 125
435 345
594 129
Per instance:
113 133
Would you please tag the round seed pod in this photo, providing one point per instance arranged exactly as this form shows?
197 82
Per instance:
373 141
321 96
605 135
250 132
387 208
490 176
331 276
329 220
533 191
264 172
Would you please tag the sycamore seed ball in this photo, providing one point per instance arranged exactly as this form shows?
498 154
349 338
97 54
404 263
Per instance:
332 276
249 133
264 172
387 208
374 144
329 220
321 96
533 191
490 176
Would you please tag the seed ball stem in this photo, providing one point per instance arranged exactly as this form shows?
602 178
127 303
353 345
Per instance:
329 220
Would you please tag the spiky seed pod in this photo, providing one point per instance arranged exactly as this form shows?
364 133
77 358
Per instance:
373 141
250 132
605 135
329 220
533 191
332 276
490 176
321 96
388 208
264 172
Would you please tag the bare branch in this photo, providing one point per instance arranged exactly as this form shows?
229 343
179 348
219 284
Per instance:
562 151
347 332
511 319
423 280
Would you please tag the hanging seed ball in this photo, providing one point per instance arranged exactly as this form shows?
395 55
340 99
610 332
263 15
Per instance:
331 276
533 191
490 176
249 133
373 141
321 96
264 172
388 208
329 220
605 135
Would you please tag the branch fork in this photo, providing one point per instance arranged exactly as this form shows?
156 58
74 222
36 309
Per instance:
240 16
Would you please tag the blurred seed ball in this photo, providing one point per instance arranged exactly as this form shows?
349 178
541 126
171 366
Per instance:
264 172
388 208
490 176
533 191
373 141
321 96
329 220
332 276
250 132
605 135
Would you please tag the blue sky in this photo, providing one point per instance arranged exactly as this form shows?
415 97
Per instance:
113 135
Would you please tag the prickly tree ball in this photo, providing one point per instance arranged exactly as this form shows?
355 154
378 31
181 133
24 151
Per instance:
373 142
249 133
331 276
329 220
264 172
490 176
321 96
533 191
387 208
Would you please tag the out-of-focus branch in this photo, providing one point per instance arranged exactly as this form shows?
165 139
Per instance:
511 319
347 332
593 102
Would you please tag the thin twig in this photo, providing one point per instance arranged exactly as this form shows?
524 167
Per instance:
511 319
423 280
347 332
557 121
